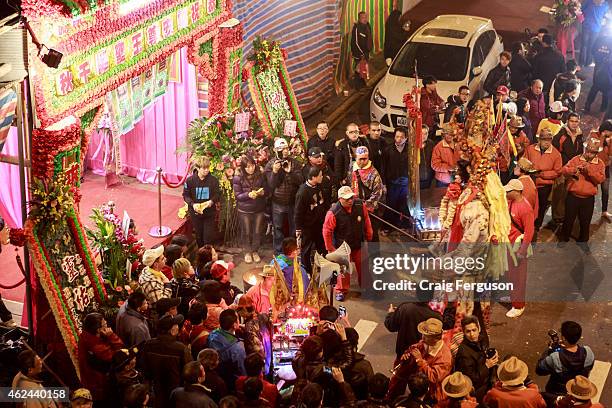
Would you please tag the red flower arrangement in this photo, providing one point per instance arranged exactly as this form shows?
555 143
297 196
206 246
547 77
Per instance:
46 144
17 237
36 9
217 68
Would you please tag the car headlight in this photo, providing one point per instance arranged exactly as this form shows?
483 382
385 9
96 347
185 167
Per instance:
379 100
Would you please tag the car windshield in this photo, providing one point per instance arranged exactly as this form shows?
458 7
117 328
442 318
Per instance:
445 62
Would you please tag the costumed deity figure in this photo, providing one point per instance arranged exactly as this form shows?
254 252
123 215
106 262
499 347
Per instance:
475 221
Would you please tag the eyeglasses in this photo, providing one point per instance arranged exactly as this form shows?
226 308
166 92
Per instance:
322 128
353 132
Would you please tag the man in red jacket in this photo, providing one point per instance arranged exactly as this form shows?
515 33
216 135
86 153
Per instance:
547 160
514 390
580 390
97 344
254 365
444 157
430 356
585 173
523 170
521 234
348 221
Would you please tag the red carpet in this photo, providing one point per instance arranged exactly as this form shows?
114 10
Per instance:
139 200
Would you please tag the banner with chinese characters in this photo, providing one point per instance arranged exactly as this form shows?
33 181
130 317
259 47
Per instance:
127 102
55 236
104 50
271 91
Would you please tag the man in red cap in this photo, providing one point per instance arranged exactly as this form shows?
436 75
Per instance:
220 271
500 75
585 173
521 234
347 221
502 95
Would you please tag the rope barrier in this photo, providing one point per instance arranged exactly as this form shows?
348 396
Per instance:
181 181
12 286
21 282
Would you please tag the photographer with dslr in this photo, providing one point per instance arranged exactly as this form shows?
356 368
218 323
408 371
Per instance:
564 359
283 176
321 362
474 357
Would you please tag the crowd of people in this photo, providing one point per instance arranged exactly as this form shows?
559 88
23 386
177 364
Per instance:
187 337
211 359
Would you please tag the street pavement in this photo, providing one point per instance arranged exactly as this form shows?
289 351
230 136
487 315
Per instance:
526 336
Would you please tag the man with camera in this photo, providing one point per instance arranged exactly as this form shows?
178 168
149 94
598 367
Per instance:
284 176
564 359
474 357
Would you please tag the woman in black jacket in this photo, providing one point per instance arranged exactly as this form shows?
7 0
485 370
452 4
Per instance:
250 195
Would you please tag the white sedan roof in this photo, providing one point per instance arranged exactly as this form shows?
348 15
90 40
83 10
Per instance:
451 29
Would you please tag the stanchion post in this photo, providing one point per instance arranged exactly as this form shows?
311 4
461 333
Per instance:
159 231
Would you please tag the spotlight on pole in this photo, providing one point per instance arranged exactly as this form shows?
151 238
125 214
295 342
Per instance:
49 56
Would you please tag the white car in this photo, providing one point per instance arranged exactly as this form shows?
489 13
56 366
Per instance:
457 50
